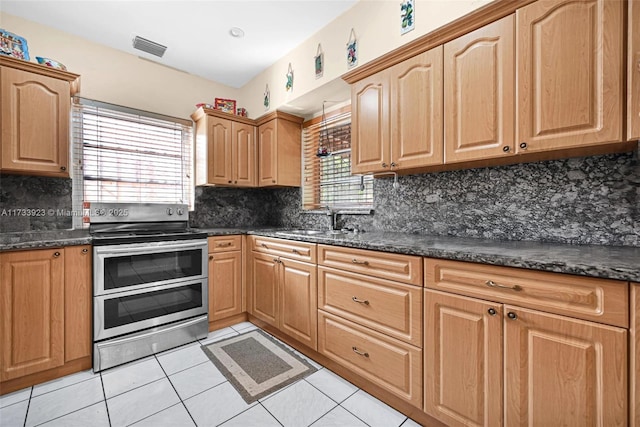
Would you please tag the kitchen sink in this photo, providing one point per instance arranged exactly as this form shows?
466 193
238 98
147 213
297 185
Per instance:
311 232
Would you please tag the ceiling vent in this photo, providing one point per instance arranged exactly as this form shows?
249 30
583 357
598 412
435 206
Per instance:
148 46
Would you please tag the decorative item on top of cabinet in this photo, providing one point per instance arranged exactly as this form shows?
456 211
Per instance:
479 93
397 116
570 59
283 290
36 105
225 279
225 149
633 74
279 150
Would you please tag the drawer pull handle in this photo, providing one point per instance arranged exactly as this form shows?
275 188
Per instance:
358 352
360 301
264 245
295 251
355 261
224 244
492 284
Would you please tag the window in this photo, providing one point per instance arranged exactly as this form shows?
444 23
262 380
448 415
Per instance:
327 179
127 155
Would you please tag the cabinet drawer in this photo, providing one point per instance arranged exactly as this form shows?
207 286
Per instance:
389 307
600 300
402 268
224 243
387 362
291 249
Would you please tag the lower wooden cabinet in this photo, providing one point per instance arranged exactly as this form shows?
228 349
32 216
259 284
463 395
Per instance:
225 285
634 359
390 363
283 293
557 370
45 298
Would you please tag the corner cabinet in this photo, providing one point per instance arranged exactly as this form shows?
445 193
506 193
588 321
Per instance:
570 67
45 301
397 116
36 106
226 149
279 150
633 73
282 283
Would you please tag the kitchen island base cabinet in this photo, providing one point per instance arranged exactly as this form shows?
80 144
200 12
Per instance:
45 320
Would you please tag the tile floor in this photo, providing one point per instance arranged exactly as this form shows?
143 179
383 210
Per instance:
181 387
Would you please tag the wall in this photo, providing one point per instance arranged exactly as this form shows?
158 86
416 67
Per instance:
376 24
592 200
116 77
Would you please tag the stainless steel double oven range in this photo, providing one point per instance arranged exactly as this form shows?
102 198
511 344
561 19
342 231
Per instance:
150 277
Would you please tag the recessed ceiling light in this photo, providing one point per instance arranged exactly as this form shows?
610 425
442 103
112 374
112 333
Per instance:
236 32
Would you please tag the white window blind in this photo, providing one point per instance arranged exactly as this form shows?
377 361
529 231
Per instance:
327 179
126 155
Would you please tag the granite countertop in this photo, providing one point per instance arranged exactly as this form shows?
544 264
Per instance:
612 262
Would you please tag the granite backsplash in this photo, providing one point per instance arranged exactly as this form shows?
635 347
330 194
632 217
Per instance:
32 203
590 200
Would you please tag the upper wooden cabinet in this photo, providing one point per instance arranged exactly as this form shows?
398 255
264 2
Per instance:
570 63
225 149
479 93
396 116
279 148
36 105
633 72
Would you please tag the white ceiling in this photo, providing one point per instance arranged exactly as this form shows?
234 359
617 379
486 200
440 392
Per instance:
195 32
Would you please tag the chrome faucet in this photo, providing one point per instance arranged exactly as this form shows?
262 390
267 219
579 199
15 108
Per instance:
332 215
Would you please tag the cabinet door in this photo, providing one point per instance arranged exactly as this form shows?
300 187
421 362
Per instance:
244 155
462 360
268 154
32 319
78 294
633 73
299 301
634 362
370 135
479 93
35 123
225 285
219 150
562 371
569 67
263 287
416 113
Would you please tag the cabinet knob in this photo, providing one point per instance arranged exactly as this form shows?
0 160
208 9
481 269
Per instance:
511 315
235 182
230 182
492 311
523 145
63 168
384 165
394 164
506 148
56 254
210 257
85 251
273 180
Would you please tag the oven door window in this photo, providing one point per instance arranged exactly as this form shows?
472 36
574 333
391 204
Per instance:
123 310
130 270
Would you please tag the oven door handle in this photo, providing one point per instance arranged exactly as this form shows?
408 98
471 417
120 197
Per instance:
146 248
